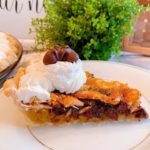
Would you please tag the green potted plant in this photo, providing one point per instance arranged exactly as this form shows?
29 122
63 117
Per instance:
94 28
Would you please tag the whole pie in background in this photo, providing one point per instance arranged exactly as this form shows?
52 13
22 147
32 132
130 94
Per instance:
10 49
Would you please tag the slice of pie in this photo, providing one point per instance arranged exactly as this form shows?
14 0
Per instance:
56 90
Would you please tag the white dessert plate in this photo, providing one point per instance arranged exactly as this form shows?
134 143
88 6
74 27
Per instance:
125 135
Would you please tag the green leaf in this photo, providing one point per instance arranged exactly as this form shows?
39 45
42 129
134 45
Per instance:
94 28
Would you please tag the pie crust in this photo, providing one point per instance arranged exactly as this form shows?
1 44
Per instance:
97 100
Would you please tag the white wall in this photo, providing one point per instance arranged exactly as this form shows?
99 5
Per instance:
16 15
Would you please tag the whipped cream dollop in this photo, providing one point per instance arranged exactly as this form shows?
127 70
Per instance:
35 82
66 76
39 79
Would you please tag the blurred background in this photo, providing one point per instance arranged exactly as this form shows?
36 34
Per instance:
16 16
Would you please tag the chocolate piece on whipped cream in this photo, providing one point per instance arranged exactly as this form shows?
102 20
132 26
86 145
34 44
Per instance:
60 53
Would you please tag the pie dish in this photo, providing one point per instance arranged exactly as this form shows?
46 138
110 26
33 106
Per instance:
10 52
56 90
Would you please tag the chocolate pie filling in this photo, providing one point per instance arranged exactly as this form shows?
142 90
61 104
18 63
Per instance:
92 111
